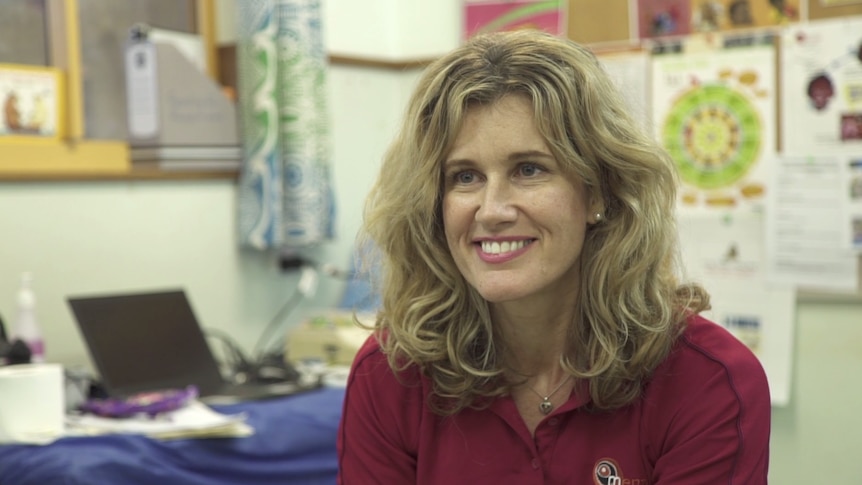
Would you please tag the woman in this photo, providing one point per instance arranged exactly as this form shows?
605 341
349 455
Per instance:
533 328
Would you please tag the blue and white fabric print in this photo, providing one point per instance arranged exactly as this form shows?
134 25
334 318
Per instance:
285 190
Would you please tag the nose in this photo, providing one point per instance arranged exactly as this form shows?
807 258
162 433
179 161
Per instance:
496 204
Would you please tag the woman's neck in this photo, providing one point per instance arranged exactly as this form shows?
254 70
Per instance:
534 340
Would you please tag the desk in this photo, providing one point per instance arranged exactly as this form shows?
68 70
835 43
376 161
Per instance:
294 443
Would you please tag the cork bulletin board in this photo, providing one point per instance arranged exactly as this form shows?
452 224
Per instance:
615 21
598 21
821 9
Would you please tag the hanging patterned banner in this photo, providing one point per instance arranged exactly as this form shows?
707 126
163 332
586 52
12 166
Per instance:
285 194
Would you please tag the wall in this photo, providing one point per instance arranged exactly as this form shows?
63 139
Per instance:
81 238
91 237
818 437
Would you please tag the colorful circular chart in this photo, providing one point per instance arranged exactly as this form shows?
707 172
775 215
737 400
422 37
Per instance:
713 134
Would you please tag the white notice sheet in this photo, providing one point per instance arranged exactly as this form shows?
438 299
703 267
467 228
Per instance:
808 225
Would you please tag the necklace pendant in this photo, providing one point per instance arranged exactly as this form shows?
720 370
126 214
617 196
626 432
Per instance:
545 406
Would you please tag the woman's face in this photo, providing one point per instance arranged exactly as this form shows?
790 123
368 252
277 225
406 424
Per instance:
514 221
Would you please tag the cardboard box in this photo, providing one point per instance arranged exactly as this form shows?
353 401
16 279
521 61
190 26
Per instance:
330 336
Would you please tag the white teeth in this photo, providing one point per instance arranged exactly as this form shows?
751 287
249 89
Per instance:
504 247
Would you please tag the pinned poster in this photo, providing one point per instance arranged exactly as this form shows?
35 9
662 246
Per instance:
494 16
714 112
855 206
810 224
722 15
821 71
658 18
628 70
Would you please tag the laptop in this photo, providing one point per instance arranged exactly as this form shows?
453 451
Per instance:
152 341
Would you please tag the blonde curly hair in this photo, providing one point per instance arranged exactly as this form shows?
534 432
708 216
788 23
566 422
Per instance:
632 304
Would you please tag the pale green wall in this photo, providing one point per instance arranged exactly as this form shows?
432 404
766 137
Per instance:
818 437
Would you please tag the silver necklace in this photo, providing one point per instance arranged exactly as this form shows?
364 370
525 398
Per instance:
546 406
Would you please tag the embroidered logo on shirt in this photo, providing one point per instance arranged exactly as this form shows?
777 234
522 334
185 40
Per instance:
607 472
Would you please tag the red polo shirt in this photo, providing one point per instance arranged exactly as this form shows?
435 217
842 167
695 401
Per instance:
704 418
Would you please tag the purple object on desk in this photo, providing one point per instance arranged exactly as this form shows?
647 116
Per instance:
150 403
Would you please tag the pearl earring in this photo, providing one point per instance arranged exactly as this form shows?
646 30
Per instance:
598 217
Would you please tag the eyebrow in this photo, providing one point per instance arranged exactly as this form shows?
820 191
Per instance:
455 162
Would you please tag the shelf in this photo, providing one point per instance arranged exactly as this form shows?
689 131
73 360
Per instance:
49 157
130 175
87 160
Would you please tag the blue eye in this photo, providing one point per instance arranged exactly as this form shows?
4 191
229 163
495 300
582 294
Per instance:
465 177
529 169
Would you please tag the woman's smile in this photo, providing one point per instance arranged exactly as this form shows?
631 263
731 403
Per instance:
492 251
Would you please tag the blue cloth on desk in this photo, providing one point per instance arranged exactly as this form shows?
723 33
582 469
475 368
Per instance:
294 443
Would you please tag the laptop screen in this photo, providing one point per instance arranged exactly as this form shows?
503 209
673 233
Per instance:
145 342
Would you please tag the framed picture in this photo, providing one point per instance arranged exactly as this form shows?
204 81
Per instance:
31 100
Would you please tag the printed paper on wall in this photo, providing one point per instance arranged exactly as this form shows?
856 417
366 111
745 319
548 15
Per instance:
657 18
821 97
714 112
630 73
722 15
494 16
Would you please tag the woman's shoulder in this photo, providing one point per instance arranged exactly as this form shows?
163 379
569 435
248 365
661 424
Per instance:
371 368
382 405
707 410
709 341
369 351
708 357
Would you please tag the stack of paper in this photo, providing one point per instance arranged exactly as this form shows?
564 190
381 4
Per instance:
195 420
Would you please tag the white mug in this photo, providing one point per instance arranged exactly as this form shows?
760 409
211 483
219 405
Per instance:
32 407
